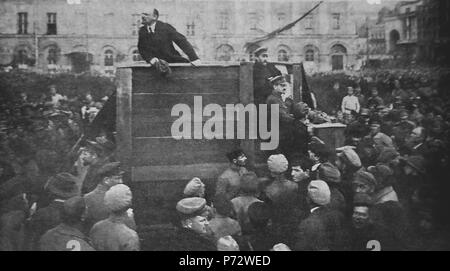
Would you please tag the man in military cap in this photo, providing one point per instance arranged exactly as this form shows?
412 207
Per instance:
380 139
109 175
156 40
402 130
68 236
193 227
261 72
92 157
113 233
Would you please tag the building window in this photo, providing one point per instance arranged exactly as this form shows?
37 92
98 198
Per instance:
309 55
22 57
309 22
281 19
336 21
109 58
22 23
224 53
136 24
190 29
283 55
51 24
52 57
224 19
136 56
253 20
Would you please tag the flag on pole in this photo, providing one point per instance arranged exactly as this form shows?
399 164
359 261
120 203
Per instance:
283 28
306 92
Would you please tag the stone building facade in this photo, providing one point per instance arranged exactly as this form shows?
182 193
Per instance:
401 30
98 35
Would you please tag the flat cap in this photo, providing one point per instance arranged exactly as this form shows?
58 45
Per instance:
277 79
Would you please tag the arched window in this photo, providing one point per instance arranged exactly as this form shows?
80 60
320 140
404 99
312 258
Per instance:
338 53
52 57
224 53
22 56
136 55
283 55
309 55
109 58
338 49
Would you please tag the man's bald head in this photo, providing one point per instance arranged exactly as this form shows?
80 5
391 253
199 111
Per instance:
149 18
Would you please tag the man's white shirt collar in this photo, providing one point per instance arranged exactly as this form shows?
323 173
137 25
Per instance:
152 27
313 209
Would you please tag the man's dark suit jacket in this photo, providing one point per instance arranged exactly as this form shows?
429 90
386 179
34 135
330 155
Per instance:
262 86
159 44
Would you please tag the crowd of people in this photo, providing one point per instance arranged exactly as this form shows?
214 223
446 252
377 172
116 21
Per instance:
384 190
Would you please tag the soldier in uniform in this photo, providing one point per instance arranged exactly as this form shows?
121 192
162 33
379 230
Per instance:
192 233
261 72
113 234
110 175
279 87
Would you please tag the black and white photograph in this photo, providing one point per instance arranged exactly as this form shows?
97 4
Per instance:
224 125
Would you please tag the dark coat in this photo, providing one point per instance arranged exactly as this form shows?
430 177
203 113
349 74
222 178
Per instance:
188 240
285 121
159 44
300 139
64 238
393 216
258 240
45 219
337 200
323 229
377 234
262 86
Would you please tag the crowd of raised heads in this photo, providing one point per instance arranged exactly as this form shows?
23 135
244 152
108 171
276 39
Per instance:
385 189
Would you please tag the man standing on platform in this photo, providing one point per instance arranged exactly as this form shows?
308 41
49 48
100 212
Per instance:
156 40
261 72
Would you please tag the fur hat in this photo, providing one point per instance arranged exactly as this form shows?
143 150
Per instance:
118 198
227 243
277 163
387 155
365 177
63 186
319 192
191 206
349 154
329 173
194 188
